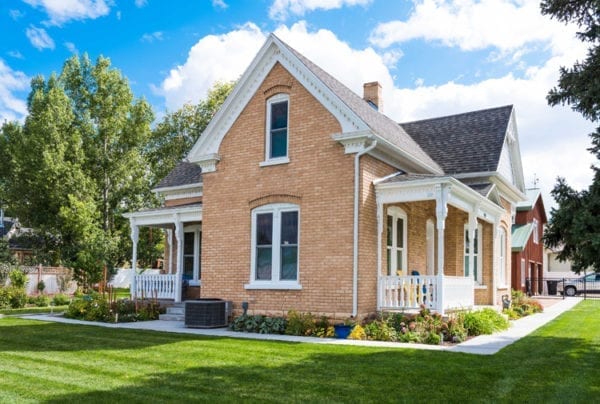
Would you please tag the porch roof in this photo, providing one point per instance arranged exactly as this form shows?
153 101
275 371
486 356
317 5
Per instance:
166 215
404 187
520 235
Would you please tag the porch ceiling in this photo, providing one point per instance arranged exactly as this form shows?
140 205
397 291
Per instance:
168 215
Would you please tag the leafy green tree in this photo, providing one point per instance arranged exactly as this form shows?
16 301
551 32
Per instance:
175 135
77 163
5 255
575 225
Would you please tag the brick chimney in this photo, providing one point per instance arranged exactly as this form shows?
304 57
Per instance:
372 94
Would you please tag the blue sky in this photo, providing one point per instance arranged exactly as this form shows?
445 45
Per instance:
433 57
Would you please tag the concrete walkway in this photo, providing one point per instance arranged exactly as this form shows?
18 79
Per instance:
482 345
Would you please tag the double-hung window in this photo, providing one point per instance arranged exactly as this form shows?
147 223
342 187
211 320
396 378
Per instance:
477 267
276 147
275 242
502 259
396 241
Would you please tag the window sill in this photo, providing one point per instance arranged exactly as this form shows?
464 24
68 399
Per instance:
480 286
274 162
502 287
273 286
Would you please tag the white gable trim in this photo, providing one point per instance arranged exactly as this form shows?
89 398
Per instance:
512 141
205 151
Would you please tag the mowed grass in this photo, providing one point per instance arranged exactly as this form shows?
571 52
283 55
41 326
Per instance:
50 362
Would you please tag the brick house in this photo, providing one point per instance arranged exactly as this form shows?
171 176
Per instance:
302 195
527 246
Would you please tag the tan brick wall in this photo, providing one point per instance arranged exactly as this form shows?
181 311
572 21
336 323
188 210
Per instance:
319 178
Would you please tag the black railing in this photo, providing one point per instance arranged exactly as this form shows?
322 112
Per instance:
587 286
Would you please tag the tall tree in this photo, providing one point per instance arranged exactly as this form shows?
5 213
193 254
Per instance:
575 225
77 162
175 135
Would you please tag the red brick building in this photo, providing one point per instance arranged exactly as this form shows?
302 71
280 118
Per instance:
302 195
527 245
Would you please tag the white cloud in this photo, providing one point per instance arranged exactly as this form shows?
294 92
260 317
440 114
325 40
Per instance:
281 9
39 38
16 14
61 11
471 25
212 58
15 54
11 106
151 37
219 4
141 3
71 47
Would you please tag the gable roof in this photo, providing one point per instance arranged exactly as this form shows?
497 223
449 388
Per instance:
183 174
354 114
379 123
471 142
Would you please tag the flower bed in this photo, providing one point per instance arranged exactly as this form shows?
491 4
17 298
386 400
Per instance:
424 327
95 307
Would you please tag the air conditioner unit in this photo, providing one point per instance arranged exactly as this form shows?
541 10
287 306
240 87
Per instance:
207 313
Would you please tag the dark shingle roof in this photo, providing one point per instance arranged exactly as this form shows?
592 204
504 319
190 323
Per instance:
469 142
183 174
378 122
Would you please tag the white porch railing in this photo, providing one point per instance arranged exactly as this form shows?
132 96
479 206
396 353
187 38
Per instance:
159 286
439 293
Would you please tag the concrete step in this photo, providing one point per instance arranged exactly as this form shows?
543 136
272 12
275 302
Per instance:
171 317
176 310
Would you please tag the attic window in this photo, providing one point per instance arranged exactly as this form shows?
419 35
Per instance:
276 142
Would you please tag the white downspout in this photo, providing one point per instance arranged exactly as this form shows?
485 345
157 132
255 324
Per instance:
356 204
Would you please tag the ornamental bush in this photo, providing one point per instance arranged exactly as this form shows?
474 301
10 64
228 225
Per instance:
485 321
95 307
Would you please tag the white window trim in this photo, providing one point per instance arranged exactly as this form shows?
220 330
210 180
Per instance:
196 229
275 283
478 257
283 159
397 213
502 278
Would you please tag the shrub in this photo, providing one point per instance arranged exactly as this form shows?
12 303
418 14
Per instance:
41 301
522 305
41 286
358 332
258 323
485 321
18 278
300 323
61 300
94 307
323 329
379 330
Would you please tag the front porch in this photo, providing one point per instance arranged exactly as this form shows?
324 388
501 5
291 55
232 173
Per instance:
183 227
438 243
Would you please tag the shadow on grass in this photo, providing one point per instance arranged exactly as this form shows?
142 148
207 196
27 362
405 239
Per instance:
541 369
21 335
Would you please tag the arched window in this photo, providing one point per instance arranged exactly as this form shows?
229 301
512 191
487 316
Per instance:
396 241
502 259
477 255
276 137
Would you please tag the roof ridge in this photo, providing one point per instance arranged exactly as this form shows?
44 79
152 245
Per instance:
457 115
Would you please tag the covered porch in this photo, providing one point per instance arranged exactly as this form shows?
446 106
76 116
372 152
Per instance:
430 247
183 227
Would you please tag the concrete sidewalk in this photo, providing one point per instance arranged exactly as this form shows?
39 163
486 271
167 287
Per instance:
482 345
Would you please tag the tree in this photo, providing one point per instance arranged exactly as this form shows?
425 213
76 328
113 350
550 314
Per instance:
175 135
77 163
575 225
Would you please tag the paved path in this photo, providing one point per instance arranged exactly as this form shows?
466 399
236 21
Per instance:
482 345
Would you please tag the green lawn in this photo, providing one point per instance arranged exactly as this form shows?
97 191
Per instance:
59 363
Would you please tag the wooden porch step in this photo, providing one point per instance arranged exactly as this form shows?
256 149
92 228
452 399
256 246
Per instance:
175 312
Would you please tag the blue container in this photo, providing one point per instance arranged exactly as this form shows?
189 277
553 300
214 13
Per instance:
342 331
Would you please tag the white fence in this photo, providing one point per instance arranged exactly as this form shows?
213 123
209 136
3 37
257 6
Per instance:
159 286
435 292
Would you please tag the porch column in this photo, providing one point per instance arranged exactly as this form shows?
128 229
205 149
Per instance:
471 228
441 213
135 233
495 255
170 237
379 245
179 238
